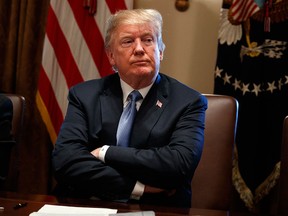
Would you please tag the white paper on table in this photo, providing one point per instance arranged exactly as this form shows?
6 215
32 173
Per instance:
57 210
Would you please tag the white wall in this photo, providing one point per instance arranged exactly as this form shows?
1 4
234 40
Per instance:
191 40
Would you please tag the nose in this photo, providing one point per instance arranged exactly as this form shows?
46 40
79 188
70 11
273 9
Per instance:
138 50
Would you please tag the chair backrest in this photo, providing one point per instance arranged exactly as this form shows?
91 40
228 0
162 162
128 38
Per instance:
212 181
6 147
283 183
18 102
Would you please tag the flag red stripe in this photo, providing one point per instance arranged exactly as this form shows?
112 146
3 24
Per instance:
241 10
251 11
236 8
62 50
50 101
246 8
116 5
92 37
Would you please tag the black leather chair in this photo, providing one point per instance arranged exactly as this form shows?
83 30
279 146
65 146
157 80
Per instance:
212 182
10 133
283 183
18 114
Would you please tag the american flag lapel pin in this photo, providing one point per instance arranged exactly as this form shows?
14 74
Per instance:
159 103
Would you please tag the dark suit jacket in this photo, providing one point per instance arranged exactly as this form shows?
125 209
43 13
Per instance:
6 114
165 148
6 138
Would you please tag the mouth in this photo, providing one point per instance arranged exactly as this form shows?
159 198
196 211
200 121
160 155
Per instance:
140 63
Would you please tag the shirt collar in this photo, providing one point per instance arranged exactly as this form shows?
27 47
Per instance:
126 89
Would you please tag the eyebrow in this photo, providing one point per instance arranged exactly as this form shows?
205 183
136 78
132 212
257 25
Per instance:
129 35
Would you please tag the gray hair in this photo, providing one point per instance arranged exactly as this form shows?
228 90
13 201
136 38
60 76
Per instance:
135 16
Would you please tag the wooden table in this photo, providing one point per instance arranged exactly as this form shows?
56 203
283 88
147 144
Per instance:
33 203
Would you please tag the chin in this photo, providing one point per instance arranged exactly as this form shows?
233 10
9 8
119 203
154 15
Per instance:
145 71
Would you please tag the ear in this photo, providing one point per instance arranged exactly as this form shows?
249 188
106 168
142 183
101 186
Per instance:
110 56
161 55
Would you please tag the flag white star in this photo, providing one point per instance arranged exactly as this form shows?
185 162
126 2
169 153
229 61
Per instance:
256 89
218 72
236 84
227 78
271 86
245 88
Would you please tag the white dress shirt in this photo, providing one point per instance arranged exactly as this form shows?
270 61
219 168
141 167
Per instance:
139 187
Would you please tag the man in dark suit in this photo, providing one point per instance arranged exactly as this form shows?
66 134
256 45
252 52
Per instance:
6 138
167 135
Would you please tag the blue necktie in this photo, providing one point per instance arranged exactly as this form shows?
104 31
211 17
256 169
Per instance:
126 119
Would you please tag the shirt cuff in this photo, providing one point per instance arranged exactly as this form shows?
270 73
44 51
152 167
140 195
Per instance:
102 153
137 191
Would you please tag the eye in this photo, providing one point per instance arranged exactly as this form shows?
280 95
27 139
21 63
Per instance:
148 41
127 42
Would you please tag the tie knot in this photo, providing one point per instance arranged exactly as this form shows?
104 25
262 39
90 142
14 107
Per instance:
135 95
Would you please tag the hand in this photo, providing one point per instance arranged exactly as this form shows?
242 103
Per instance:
150 189
95 152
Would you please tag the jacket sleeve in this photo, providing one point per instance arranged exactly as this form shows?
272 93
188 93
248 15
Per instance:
74 165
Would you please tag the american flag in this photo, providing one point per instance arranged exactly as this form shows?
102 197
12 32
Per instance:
241 10
73 52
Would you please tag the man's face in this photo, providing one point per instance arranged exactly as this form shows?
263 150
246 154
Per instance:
135 53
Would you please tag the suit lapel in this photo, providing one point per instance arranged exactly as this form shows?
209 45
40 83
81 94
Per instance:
111 107
149 113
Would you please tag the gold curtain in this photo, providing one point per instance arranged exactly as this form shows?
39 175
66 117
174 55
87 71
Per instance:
22 31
